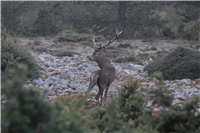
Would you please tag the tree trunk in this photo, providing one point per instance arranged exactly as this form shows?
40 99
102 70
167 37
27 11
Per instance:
121 13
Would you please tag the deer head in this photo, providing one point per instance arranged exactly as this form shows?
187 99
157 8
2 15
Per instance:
98 55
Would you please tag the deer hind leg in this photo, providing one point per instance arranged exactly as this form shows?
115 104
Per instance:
98 94
105 95
93 80
101 89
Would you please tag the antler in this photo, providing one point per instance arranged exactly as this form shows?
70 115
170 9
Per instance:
93 37
110 41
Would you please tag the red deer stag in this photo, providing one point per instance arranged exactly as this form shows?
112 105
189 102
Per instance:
105 76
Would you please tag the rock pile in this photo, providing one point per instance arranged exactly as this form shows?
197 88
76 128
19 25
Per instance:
65 75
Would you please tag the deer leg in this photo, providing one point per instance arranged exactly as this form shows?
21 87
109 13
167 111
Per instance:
97 96
93 81
105 95
101 96
101 89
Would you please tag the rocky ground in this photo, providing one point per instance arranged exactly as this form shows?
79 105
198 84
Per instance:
68 75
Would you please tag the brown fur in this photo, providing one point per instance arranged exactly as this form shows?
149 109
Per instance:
103 77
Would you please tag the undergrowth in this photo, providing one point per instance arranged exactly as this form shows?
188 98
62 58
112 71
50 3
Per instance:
71 36
26 112
179 64
13 53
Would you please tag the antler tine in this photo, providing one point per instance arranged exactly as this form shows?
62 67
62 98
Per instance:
110 41
101 30
93 40
93 37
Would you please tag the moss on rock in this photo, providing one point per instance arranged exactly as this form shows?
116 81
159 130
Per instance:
179 64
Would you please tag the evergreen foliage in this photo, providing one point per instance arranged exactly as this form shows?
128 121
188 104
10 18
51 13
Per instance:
167 32
131 102
49 18
190 10
107 120
172 118
71 36
179 64
43 25
120 60
194 32
137 19
161 95
143 21
10 11
26 112
179 119
13 53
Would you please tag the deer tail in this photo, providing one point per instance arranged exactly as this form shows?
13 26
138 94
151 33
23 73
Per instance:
93 80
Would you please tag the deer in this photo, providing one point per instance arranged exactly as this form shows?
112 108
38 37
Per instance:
106 74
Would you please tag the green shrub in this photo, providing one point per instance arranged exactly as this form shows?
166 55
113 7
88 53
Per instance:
126 45
37 42
71 36
131 59
65 53
43 25
180 31
14 53
120 60
179 119
4 35
41 49
172 118
153 48
130 101
167 32
193 32
145 32
179 64
106 120
26 112
163 96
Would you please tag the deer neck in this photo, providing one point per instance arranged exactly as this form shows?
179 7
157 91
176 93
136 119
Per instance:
104 63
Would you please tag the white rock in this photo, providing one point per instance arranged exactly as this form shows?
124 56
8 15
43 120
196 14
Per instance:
150 60
80 67
126 71
41 58
144 73
47 64
187 81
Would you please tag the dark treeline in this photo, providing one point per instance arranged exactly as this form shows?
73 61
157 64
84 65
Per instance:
138 19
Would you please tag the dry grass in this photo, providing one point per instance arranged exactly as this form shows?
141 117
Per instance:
137 48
